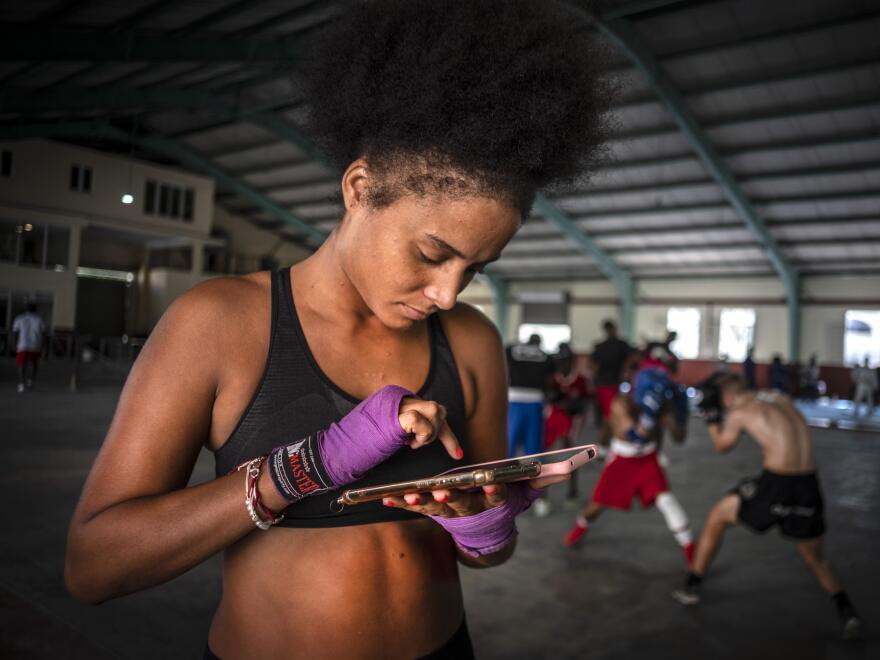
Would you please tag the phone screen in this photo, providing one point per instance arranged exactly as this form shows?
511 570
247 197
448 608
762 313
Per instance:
545 459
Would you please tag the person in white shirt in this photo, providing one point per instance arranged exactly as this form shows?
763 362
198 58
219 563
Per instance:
865 379
28 329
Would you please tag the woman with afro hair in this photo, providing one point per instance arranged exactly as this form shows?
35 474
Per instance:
355 366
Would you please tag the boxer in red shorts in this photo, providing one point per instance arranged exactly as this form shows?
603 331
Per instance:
632 470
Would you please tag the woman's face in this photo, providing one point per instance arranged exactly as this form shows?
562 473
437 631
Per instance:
415 256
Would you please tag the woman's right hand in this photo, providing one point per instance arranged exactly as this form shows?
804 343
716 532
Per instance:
370 434
426 421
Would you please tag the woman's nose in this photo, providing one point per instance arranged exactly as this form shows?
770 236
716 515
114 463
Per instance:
443 291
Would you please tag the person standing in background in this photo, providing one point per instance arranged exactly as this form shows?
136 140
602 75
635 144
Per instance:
809 379
29 331
865 380
778 375
569 395
609 358
749 370
530 375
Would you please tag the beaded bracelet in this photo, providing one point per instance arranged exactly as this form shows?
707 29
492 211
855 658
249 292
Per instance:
260 515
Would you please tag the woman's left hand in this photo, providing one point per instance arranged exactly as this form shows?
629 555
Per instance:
451 502
454 503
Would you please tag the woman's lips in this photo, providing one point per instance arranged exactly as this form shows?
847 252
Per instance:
414 313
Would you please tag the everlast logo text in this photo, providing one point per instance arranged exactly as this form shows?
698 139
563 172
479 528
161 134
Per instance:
300 473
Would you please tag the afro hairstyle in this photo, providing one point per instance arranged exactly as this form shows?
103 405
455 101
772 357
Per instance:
497 98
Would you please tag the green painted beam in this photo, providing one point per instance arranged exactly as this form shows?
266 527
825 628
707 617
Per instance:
166 147
637 7
291 133
77 44
499 288
622 32
76 99
621 279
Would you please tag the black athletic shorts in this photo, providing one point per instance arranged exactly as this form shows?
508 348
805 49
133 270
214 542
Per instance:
792 501
457 647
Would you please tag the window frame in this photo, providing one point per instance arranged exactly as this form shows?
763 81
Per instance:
751 339
676 346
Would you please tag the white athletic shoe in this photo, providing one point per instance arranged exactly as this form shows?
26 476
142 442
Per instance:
686 596
20 387
852 628
542 508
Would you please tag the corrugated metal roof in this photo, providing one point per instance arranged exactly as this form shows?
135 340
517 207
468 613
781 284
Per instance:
787 92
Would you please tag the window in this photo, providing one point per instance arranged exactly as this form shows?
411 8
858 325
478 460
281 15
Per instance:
545 313
81 178
175 203
57 248
164 199
215 259
168 201
9 235
551 334
5 163
737 331
27 244
861 336
33 243
685 323
150 197
188 203
175 258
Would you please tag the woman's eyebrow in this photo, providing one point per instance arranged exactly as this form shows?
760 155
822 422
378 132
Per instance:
443 245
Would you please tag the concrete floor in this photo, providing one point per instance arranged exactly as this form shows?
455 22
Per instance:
606 599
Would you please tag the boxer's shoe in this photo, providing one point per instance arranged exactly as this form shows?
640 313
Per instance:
573 536
687 595
852 626
542 508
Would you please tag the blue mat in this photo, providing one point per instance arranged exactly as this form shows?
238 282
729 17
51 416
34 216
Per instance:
839 413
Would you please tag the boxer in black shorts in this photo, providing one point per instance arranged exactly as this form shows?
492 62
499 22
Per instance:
791 501
786 494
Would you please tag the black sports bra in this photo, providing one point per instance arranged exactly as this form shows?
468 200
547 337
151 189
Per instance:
295 399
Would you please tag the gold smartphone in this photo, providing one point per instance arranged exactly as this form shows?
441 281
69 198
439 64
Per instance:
560 462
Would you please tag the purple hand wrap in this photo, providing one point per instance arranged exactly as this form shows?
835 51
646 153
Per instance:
365 437
491 530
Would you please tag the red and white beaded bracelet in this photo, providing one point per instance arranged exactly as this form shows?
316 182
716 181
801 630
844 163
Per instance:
262 517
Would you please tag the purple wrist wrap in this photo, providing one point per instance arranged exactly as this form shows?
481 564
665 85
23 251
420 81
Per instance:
491 530
365 437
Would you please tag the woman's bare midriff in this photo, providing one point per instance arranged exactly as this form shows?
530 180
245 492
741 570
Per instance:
385 590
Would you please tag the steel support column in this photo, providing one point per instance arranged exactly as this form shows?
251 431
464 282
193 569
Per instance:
621 279
499 298
622 32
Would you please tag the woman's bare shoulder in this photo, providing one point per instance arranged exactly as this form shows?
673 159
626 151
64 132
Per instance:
214 319
222 303
469 324
225 294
